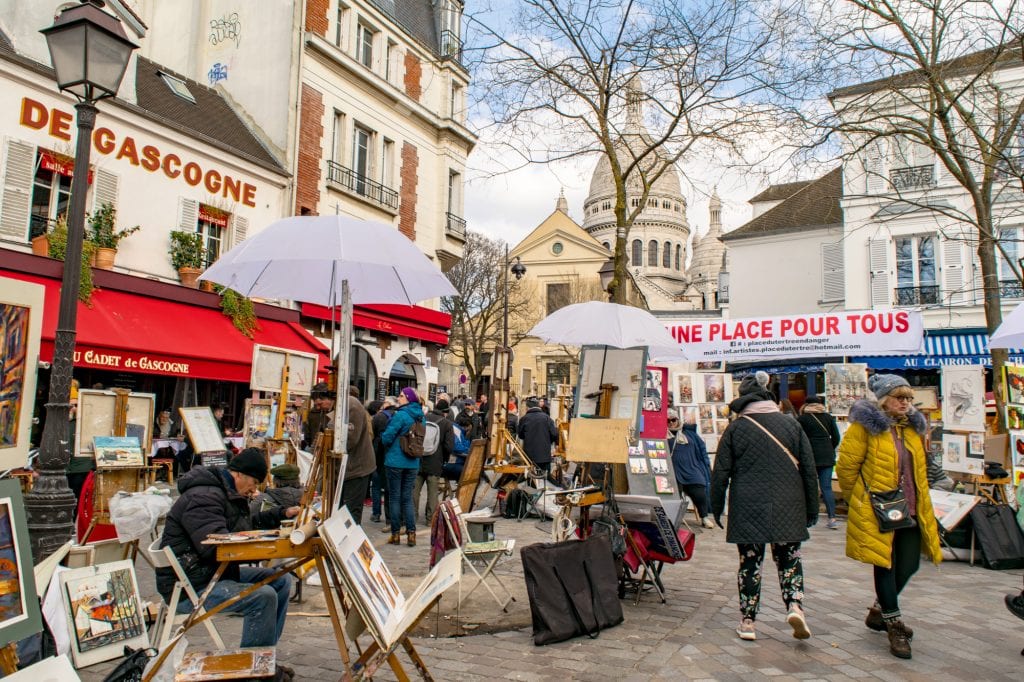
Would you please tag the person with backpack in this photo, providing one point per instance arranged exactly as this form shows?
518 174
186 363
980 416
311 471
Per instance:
438 444
403 439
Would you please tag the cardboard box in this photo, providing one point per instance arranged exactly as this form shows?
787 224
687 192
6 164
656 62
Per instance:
997 449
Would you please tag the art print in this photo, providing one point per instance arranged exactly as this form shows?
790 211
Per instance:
715 366
688 414
684 389
656 448
976 444
19 605
117 451
638 465
707 411
722 411
714 388
926 398
21 321
659 466
954 452
258 423
963 398
707 426
653 390
721 425
1017 449
711 442
635 451
845 384
663 486
104 612
1014 383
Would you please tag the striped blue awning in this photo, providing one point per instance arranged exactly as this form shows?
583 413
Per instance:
956 344
968 348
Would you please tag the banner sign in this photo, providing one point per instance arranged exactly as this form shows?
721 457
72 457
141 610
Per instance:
867 332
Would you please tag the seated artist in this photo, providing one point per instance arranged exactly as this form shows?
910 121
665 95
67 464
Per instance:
216 500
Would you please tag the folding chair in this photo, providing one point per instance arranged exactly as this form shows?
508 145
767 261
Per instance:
485 553
163 557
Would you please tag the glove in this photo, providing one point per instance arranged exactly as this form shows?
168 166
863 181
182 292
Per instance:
718 520
812 520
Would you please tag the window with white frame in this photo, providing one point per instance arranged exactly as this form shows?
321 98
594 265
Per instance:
916 270
456 109
365 37
362 147
341 24
338 137
454 187
387 162
1009 259
212 226
51 189
391 61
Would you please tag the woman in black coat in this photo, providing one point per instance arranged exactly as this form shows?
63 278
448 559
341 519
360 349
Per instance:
764 460
821 430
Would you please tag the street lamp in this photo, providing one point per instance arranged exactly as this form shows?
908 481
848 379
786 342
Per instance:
89 51
518 269
607 274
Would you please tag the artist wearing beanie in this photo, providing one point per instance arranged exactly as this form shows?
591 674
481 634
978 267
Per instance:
883 449
215 501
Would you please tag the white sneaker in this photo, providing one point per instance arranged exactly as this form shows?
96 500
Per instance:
746 630
706 522
797 622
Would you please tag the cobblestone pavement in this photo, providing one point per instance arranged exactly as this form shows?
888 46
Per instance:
962 629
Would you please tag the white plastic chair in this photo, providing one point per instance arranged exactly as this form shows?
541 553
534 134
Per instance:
487 553
163 557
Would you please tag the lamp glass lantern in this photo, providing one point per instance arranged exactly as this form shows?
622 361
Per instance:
89 51
607 273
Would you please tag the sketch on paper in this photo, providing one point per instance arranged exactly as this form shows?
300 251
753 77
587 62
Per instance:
954 452
963 398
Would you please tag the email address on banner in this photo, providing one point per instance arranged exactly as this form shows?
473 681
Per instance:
782 346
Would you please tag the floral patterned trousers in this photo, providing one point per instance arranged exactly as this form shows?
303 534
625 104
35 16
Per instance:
791 575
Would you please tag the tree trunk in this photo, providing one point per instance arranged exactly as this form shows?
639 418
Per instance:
993 309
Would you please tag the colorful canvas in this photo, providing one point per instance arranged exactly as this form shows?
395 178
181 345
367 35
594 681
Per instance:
1014 383
21 315
19 606
234 664
663 486
714 388
688 414
684 389
103 609
845 384
954 453
115 451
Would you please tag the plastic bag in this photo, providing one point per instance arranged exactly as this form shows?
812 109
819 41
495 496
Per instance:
135 516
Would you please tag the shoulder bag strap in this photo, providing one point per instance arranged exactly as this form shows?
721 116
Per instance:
796 462
821 426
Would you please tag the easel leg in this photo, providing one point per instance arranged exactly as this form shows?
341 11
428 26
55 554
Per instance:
414 656
339 632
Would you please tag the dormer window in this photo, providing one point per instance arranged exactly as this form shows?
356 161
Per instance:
177 86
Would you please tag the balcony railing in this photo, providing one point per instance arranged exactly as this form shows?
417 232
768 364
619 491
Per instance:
923 295
914 177
455 226
1010 288
451 46
362 185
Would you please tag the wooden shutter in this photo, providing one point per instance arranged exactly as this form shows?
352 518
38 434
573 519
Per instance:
104 189
953 278
239 229
188 215
874 168
833 275
16 206
878 263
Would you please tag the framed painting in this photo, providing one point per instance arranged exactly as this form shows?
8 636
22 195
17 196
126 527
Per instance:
963 398
117 451
845 384
97 412
268 365
684 389
103 611
202 429
19 605
21 326
926 398
954 452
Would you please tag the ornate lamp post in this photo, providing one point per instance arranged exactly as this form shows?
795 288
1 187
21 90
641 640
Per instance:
517 269
89 51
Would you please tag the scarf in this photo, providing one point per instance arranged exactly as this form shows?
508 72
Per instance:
761 407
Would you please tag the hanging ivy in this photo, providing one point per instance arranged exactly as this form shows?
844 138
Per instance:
58 238
240 309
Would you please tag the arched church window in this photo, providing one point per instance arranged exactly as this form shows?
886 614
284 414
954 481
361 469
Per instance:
666 257
679 257
652 254
638 253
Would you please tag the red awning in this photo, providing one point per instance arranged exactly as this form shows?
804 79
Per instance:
412 321
127 332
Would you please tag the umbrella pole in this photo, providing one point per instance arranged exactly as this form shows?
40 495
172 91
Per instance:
341 401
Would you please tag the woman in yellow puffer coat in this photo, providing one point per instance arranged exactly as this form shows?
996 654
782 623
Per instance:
884 447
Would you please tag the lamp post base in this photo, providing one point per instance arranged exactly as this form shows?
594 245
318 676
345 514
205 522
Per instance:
51 507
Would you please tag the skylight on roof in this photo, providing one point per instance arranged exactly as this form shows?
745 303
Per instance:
177 86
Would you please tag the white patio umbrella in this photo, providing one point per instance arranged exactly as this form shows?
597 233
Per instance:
1010 334
608 324
331 260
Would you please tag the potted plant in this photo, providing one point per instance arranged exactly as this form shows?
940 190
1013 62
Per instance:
187 256
57 239
105 236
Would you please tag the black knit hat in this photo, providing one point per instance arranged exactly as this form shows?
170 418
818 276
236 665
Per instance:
251 462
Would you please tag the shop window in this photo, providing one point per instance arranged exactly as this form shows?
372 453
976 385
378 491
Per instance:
916 282
556 373
557 296
51 189
212 225
362 372
638 253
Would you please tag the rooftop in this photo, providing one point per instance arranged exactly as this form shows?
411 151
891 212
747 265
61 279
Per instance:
814 206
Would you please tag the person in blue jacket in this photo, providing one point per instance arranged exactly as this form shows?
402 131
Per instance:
401 469
693 468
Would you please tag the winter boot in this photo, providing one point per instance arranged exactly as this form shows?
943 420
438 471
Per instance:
876 623
410 538
395 539
899 642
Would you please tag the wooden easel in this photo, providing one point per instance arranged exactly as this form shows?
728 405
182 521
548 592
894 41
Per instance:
997 493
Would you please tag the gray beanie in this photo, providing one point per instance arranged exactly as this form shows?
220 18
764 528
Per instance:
752 383
883 384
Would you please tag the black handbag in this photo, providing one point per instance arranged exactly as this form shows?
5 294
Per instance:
572 587
891 509
131 668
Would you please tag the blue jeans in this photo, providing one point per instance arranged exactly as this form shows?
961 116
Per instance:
825 483
377 490
400 508
264 609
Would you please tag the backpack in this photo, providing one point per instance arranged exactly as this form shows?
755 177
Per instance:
411 441
431 438
462 444
517 504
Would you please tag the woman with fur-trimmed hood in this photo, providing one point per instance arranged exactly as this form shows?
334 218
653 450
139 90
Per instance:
884 448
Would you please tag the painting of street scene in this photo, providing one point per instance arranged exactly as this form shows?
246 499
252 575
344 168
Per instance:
104 607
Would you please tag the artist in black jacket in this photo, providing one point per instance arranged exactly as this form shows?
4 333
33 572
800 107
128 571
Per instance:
538 433
216 500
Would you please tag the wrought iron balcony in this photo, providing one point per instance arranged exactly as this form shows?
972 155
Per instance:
455 226
1011 288
362 185
451 46
922 295
914 177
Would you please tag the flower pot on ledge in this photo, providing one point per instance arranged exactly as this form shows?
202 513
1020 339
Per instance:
189 277
206 285
104 258
41 245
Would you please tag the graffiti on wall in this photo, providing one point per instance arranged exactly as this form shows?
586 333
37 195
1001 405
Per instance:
218 72
228 27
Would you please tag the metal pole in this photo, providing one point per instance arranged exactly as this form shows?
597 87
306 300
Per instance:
504 328
50 504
